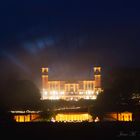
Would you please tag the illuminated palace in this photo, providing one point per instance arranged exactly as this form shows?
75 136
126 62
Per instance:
86 89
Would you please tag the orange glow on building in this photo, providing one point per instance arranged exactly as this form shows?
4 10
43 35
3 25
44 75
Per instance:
120 116
125 116
73 117
86 89
26 118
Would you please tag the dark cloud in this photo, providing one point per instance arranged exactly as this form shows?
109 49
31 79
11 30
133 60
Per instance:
68 36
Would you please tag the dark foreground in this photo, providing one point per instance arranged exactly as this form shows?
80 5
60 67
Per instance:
73 131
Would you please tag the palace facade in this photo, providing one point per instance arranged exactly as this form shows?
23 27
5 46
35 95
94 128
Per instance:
66 90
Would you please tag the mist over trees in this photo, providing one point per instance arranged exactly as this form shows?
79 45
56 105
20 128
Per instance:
123 82
20 94
119 88
118 85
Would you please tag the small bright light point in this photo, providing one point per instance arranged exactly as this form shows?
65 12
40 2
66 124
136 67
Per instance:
52 119
45 92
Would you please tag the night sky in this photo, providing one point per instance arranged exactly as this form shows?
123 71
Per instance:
68 36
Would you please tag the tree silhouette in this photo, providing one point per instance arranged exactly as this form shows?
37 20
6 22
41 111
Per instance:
21 94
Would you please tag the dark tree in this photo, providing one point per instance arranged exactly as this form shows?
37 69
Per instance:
21 94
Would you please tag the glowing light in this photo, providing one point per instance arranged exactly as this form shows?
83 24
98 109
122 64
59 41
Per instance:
52 119
22 112
97 119
94 97
54 98
97 92
44 70
55 90
89 92
45 92
87 97
26 117
69 117
97 69
62 92
16 61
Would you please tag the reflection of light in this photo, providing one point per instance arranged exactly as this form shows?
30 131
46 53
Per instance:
33 47
60 94
30 47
